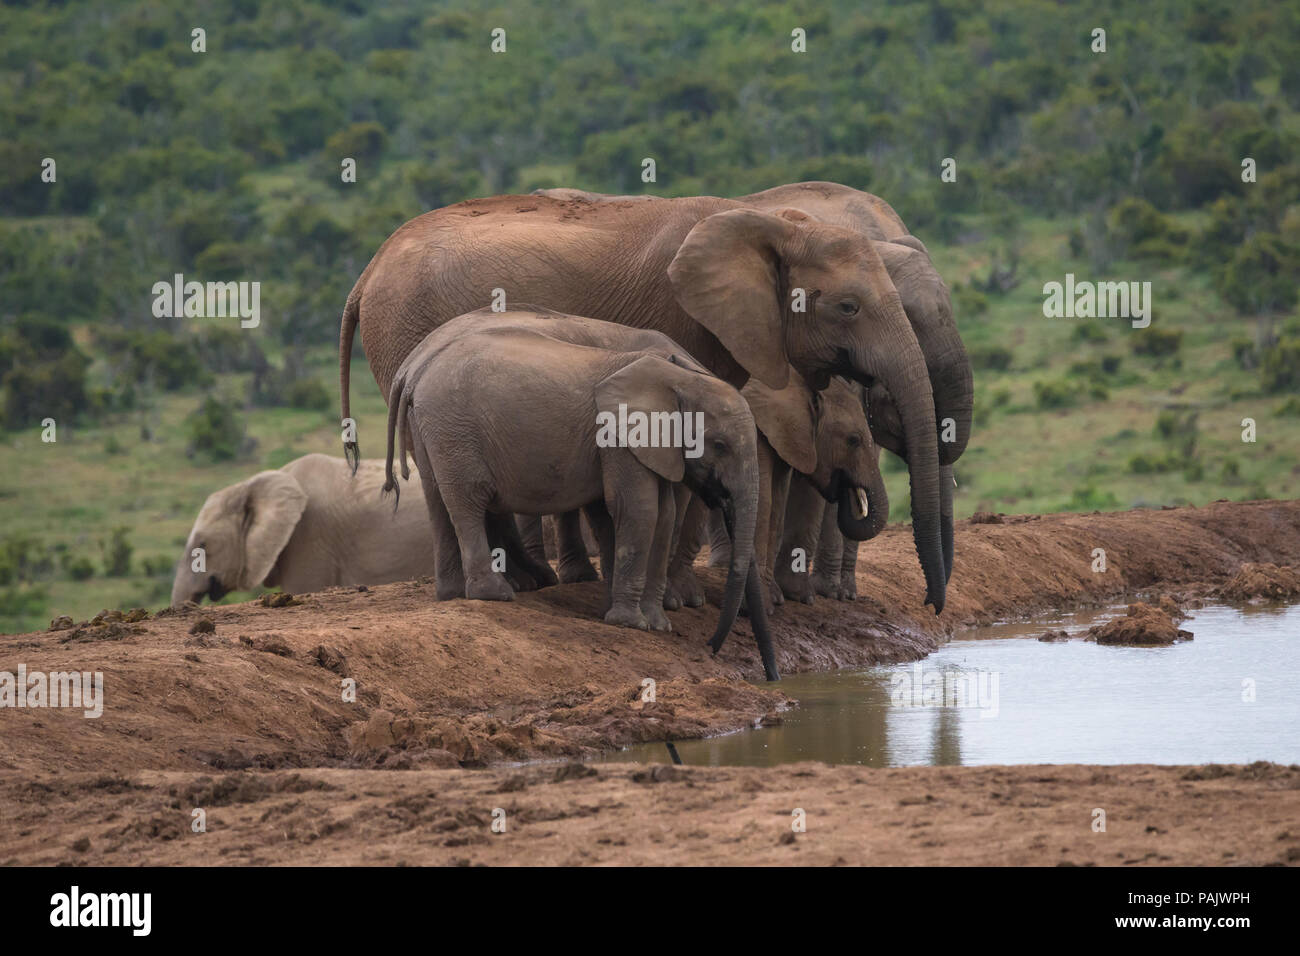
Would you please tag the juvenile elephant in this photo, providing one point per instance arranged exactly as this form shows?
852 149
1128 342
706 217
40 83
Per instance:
307 526
505 417
714 275
818 443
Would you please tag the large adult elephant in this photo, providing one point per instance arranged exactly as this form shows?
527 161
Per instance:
718 277
928 305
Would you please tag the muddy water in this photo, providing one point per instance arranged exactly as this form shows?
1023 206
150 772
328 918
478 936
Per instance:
996 695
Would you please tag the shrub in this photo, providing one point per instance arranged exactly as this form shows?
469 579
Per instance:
1157 342
995 358
1281 367
117 552
1056 394
1090 330
215 431
967 300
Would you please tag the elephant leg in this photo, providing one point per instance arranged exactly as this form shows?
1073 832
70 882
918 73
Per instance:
776 526
530 533
632 497
448 572
763 525
849 570
799 537
602 529
574 564
683 586
518 578
519 559
830 552
469 517
652 599
719 542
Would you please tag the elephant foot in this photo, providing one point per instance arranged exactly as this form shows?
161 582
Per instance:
450 588
626 617
492 587
571 572
655 617
546 578
826 585
775 597
520 580
683 586
848 586
796 586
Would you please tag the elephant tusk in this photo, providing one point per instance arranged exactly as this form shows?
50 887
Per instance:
863 507
954 481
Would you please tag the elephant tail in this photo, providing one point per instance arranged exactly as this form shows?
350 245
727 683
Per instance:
347 330
396 422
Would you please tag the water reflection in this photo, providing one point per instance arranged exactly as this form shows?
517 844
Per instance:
998 696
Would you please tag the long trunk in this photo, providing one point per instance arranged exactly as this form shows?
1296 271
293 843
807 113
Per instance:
946 486
909 386
953 385
742 577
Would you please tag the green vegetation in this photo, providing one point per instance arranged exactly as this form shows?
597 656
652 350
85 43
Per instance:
225 166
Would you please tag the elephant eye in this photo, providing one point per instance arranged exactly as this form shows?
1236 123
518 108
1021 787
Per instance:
848 307
855 441
719 446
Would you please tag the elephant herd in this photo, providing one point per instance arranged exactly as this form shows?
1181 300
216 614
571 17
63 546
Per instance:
670 369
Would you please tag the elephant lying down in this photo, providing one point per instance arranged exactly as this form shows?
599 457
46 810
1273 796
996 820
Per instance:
310 525
513 418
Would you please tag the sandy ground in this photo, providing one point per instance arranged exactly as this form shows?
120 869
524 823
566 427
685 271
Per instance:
248 722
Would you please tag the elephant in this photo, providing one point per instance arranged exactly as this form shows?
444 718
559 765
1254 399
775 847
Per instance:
503 416
926 301
820 441
745 291
928 305
310 525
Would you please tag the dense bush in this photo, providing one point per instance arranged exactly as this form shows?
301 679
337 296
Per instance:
216 431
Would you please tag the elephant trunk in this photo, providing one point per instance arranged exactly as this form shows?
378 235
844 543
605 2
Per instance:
947 483
742 579
863 511
953 385
908 385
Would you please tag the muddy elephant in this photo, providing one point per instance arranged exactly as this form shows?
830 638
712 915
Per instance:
745 291
310 525
506 417
926 301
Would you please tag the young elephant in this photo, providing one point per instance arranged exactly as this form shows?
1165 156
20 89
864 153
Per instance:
505 417
816 445
307 526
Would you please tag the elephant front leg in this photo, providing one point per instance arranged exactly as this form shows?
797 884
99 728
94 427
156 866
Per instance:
799 538
830 552
602 529
780 493
632 497
762 532
719 541
849 570
574 564
652 600
532 537
519 560
684 587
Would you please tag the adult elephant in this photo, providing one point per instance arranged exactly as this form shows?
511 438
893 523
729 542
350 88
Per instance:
721 279
928 305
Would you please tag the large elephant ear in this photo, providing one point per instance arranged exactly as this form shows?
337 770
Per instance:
725 275
272 504
911 242
644 386
787 419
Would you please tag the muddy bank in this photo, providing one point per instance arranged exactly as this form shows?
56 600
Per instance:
473 684
583 814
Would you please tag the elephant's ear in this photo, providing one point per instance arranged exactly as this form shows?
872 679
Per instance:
643 386
911 242
725 276
273 502
786 417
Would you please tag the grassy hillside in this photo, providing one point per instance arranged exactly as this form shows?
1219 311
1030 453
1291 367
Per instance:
225 165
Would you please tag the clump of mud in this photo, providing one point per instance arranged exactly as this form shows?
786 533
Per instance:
1257 583
1145 626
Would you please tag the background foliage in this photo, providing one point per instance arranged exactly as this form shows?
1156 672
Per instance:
225 165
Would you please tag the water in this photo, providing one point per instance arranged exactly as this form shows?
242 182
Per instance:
1011 699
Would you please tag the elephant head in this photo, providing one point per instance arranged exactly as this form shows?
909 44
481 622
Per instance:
241 531
781 289
825 437
719 463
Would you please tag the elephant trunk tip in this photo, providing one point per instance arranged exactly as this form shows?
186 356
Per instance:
352 454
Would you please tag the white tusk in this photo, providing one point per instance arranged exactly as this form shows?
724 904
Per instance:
863 507
954 481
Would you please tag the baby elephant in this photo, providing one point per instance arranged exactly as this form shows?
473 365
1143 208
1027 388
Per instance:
504 415
307 526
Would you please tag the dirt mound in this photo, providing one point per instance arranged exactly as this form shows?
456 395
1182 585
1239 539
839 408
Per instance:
1143 626
1262 582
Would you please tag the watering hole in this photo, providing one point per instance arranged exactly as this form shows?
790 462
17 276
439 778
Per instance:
996 695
